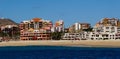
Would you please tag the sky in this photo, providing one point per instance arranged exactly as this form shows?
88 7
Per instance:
70 11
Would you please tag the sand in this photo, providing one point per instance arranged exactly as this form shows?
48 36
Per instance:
77 43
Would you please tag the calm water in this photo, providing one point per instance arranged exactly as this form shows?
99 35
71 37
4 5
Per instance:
54 52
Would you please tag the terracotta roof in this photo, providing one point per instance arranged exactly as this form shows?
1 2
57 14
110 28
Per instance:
36 19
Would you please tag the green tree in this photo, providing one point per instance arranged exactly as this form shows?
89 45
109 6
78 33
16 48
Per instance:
57 35
88 30
2 34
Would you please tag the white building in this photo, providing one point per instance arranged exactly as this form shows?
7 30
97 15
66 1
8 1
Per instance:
70 36
79 26
101 36
75 36
58 27
107 29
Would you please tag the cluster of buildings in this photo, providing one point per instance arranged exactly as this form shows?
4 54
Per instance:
8 32
106 29
40 29
78 27
58 26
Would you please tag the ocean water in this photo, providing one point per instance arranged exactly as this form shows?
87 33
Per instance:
58 52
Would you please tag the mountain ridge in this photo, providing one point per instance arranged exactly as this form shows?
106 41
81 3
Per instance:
6 21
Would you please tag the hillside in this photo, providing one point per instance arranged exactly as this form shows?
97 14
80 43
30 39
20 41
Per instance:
5 21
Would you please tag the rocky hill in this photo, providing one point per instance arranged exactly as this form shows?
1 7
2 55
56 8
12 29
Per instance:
5 21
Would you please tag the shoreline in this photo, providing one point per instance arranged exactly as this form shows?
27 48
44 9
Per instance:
69 43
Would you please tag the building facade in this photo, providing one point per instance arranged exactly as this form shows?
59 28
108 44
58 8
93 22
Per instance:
10 32
106 29
58 26
35 29
78 27
76 36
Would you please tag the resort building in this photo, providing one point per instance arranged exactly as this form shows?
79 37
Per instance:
8 26
78 27
71 36
102 36
75 36
58 26
75 32
66 30
10 32
106 29
35 29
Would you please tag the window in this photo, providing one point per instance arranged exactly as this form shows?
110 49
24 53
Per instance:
107 31
106 35
31 25
112 28
107 27
118 28
92 38
44 36
112 31
97 35
92 35
40 24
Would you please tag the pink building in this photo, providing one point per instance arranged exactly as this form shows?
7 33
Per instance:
35 29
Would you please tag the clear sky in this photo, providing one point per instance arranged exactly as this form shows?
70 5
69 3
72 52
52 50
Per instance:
71 11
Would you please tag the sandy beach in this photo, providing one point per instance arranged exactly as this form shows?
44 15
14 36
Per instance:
77 43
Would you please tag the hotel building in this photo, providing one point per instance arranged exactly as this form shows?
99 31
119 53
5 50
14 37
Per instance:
75 36
78 27
76 32
35 29
107 28
58 26
10 32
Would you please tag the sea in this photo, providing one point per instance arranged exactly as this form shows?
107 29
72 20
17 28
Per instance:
58 52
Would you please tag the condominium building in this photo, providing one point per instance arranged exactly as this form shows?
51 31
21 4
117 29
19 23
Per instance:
107 28
75 36
71 36
78 27
58 26
10 32
35 29
76 32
